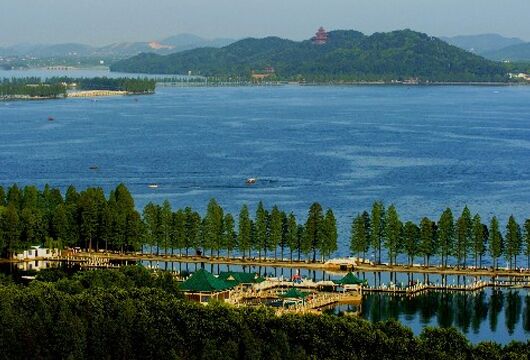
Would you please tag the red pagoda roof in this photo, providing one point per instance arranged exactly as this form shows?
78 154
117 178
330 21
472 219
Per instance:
321 37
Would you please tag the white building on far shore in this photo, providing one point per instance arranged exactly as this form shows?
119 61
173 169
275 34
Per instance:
36 252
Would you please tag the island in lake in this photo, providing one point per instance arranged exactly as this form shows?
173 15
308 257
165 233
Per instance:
62 87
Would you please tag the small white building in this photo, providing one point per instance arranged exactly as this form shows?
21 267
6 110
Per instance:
36 252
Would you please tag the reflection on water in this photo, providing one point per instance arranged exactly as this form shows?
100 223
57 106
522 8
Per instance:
493 314
500 315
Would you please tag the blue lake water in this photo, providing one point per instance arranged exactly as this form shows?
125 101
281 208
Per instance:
422 148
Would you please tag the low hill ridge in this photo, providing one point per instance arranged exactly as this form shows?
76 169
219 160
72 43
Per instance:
347 56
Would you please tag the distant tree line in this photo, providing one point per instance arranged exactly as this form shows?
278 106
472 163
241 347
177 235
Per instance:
91 220
464 238
134 314
55 87
131 85
31 87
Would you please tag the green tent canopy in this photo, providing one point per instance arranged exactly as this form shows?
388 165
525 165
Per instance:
294 293
350 279
233 277
203 281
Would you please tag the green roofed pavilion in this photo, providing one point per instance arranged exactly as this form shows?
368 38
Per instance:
203 281
294 293
237 278
350 279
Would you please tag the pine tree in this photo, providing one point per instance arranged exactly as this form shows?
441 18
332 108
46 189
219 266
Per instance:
359 239
393 234
193 229
411 237
244 231
276 230
261 230
513 241
463 237
313 230
527 241
213 227
229 234
330 235
11 228
496 242
178 231
479 240
151 216
166 225
292 234
445 235
377 222
428 240
285 229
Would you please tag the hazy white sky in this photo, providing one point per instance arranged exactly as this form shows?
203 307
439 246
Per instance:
107 21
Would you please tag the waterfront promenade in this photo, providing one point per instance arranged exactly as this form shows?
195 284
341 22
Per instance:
336 265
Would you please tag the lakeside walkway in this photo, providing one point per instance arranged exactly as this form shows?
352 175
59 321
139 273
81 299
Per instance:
336 266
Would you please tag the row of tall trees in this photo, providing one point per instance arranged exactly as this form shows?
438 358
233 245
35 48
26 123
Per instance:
269 233
87 219
461 238
92 221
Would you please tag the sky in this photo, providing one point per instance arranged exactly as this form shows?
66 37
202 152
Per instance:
101 22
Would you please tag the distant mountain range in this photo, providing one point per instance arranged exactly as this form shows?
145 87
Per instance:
493 46
346 56
118 50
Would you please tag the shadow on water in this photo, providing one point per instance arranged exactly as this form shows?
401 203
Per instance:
502 315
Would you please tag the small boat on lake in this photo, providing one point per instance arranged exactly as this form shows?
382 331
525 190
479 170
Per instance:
250 181
152 186
51 118
93 167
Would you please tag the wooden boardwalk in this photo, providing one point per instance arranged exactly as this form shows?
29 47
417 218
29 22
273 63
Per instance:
99 259
419 288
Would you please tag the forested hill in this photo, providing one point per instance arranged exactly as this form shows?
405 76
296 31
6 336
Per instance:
347 55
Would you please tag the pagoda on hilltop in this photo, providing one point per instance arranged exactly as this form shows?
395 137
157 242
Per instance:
321 37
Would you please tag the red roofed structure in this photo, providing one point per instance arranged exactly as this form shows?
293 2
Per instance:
321 37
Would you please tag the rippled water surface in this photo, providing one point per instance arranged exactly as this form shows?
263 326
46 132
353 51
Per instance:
422 148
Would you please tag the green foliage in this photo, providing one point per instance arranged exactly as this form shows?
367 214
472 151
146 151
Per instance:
377 221
347 56
30 88
446 234
314 234
92 221
480 237
513 241
496 241
393 234
359 240
428 245
245 229
463 237
132 313
411 239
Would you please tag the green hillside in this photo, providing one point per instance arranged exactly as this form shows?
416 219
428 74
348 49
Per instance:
519 52
347 56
